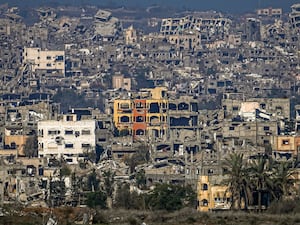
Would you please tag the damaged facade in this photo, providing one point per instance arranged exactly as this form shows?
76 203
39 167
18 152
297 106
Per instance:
69 138
201 87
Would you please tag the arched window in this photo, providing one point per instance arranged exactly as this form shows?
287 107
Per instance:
140 132
139 119
124 119
183 106
204 202
154 120
172 106
204 187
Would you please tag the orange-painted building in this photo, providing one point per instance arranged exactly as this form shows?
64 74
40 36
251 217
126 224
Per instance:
145 115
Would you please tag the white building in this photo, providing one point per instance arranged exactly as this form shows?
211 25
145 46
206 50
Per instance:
68 138
53 61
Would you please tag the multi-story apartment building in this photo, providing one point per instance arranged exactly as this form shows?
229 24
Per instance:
15 140
145 115
254 132
205 28
235 104
187 40
68 138
52 62
157 116
212 195
285 144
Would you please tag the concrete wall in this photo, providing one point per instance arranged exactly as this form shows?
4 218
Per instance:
66 137
45 60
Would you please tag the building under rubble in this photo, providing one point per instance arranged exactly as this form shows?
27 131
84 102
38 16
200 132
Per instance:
106 26
294 17
200 88
190 31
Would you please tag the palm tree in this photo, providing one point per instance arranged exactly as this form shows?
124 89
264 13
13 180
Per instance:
283 178
237 179
261 177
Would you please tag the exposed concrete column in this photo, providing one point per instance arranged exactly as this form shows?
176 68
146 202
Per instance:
1 191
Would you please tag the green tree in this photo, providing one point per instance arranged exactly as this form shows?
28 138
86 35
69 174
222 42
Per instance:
57 192
93 182
141 156
127 199
109 180
65 171
268 149
238 184
140 179
170 197
283 178
122 199
261 177
96 199
91 155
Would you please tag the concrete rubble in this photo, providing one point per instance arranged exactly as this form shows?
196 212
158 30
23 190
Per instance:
183 98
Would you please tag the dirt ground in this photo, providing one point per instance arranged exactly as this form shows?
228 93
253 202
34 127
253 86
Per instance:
70 216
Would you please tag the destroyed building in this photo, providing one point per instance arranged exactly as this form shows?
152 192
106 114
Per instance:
207 28
294 17
203 86
106 26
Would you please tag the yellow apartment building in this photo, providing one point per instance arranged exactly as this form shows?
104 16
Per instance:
211 195
123 114
144 115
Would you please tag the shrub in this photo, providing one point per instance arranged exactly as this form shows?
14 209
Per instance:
283 206
100 218
96 199
133 221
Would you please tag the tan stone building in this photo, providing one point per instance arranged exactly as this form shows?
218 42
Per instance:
50 61
258 133
130 36
286 144
211 195
235 104
188 40
120 82
15 142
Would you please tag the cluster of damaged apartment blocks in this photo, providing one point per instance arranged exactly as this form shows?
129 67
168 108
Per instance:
195 58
